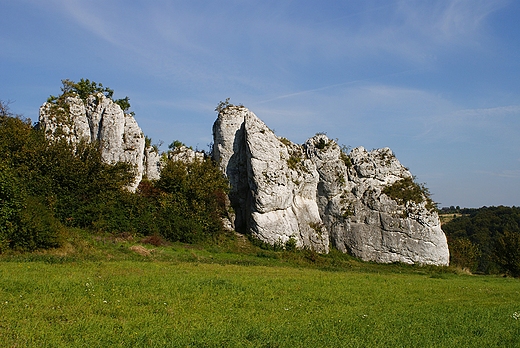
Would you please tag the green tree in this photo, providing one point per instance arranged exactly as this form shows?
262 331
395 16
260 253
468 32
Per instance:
27 222
507 253
464 253
193 200
12 199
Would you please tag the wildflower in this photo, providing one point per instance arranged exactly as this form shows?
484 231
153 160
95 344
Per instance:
516 315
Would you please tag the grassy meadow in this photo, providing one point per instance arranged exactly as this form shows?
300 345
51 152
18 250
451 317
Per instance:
100 293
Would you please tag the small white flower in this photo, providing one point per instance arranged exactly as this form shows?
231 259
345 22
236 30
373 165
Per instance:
516 315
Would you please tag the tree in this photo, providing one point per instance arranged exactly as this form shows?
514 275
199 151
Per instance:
193 200
464 253
507 253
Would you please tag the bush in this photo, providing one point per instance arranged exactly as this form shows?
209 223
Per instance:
407 190
192 200
12 200
39 228
464 253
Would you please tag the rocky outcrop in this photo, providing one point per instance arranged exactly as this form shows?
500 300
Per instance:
99 119
152 163
318 194
186 154
273 200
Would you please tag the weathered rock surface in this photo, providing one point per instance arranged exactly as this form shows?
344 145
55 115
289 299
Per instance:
318 194
152 163
186 155
100 119
272 200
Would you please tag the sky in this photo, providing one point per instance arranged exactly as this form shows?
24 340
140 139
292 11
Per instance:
438 82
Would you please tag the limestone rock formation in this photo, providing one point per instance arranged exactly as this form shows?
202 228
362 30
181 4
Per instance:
152 163
273 199
100 119
318 194
186 154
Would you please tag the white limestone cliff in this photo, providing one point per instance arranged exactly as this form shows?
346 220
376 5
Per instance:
98 119
272 201
317 194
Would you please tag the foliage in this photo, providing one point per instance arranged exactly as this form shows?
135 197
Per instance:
464 253
192 200
407 190
290 245
12 199
223 105
507 254
345 158
176 144
83 89
294 160
321 144
494 230
27 221
285 141
124 104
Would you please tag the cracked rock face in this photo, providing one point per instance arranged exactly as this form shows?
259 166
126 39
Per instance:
317 194
363 220
274 199
100 119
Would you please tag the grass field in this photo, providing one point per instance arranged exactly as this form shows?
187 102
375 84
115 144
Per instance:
105 295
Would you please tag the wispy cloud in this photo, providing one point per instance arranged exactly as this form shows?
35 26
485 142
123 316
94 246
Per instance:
510 174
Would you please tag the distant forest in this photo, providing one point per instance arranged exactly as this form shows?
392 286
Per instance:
484 240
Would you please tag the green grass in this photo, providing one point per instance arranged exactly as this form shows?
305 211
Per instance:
186 296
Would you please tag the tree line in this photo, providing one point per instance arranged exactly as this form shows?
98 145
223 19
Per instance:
485 240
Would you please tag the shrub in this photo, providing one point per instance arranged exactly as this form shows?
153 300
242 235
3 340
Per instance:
290 245
321 144
12 201
464 253
407 190
192 202
294 161
39 228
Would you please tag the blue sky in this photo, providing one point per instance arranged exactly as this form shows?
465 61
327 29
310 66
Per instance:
436 81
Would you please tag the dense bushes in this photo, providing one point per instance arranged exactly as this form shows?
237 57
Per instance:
46 185
193 200
487 240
